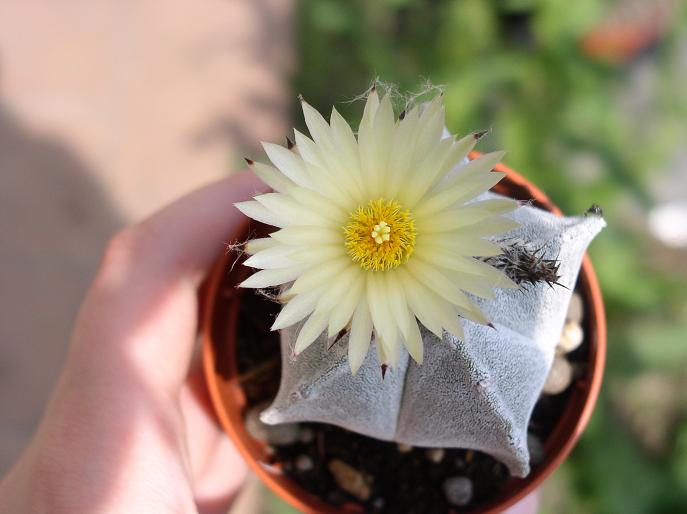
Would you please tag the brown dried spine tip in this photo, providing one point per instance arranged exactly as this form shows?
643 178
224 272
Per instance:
250 162
338 337
384 368
289 144
594 210
525 266
479 135
402 115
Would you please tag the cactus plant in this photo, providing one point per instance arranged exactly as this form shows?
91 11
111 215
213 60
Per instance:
475 393
389 242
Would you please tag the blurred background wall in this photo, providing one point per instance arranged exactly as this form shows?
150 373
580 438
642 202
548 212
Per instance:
110 109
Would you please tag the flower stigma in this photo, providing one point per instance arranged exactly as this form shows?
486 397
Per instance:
380 236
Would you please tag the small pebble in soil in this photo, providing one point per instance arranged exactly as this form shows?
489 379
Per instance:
304 463
575 309
458 491
404 448
284 433
435 455
270 451
560 376
535 448
571 338
306 436
351 480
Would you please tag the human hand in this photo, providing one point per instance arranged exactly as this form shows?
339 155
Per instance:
129 427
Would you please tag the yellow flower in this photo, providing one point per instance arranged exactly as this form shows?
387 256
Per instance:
378 232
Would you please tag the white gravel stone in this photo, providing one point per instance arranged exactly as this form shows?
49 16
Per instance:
404 448
435 455
560 376
458 491
536 449
351 480
304 463
575 309
571 338
306 435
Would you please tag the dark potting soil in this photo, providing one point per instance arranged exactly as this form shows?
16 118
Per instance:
401 482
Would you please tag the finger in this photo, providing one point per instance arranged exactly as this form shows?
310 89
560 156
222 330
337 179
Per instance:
143 305
528 505
221 481
217 468
182 240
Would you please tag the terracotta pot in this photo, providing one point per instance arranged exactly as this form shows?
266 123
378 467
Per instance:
219 321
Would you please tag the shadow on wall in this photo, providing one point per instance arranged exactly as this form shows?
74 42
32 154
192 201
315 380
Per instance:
54 221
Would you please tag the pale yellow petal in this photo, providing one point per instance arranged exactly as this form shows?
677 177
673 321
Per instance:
483 164
433 311
289 163
325 176
349 300
437 282
431 126
456 195
273 258
444 258
381 351
260 213
460 243
317 126
256 245
451 323
320 274
292 211
381 316
361 334
336 289
383 134
310 331
318 254
427 172
461 217
400 160
308 235
413 342
459 152
451 159
315 201
272 277
345 142
297 308
396 300
367 147
272 176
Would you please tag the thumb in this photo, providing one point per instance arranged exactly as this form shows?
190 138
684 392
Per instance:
143 303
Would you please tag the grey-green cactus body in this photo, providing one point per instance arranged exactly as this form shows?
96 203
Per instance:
474 394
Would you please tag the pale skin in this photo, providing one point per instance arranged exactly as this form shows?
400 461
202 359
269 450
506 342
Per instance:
129 427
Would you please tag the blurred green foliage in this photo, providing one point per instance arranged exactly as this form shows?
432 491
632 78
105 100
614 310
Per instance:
585 131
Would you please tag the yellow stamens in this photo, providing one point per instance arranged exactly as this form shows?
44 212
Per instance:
380 236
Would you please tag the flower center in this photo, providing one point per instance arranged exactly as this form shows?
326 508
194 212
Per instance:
380 236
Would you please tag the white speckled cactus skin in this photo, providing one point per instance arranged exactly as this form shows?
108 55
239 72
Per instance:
474 394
